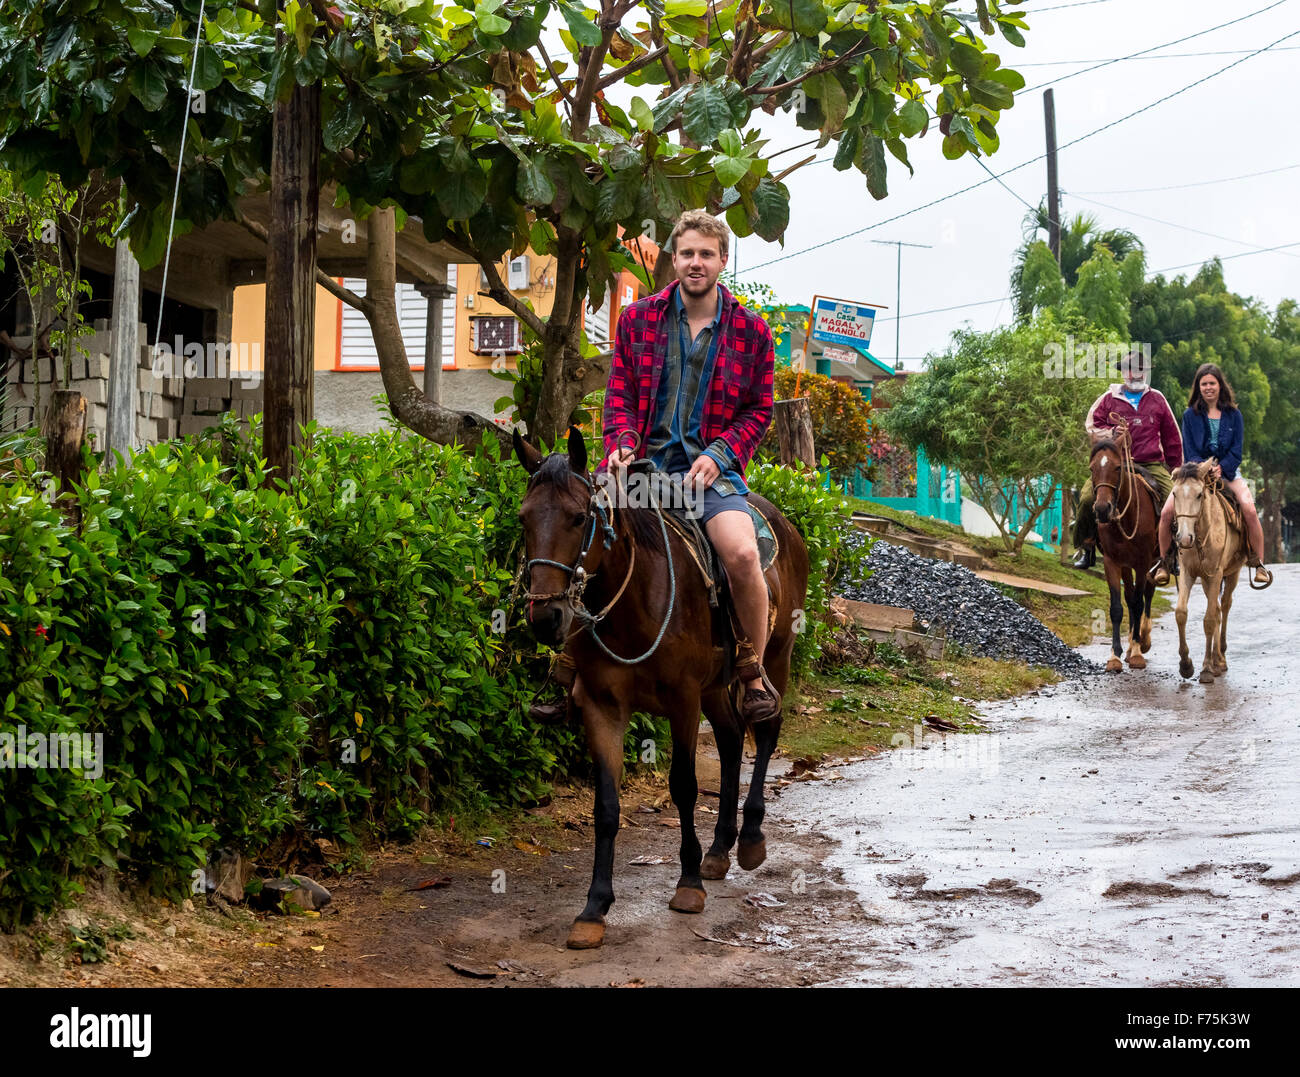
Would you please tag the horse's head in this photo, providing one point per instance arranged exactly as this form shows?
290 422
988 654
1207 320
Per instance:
1106 466
559 520
1191 488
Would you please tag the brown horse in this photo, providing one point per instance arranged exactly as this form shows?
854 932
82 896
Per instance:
1211 547
1126 518
654 646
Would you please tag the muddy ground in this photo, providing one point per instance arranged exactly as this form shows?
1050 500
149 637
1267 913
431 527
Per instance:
1134 829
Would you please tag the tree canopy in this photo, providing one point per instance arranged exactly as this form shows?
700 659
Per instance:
459 115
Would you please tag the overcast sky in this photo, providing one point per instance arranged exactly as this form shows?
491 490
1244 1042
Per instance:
1239 122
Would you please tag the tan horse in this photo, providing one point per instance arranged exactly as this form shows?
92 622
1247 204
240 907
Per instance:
1211 548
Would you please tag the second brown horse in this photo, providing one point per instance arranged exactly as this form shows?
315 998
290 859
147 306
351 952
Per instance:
1126 518
655 651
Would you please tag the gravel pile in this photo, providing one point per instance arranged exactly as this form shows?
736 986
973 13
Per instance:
970 611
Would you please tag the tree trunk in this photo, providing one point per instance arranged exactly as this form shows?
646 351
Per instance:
1271 488
65 434
291 277
412 408
793 422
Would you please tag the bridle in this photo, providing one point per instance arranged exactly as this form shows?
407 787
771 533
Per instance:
1125 468
580 577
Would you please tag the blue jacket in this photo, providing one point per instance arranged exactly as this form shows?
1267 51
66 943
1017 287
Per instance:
1196 439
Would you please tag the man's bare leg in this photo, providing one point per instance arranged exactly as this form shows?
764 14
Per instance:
732 535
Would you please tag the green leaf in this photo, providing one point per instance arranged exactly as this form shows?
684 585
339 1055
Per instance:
642 114
534 186
846 151
344 125
706 113
1012 34
208 69
148 85
584 31
966 59
462 194
772 204
873 164
806 17
491 24
674 8
899 150
912 117
990 94
731 170
141 40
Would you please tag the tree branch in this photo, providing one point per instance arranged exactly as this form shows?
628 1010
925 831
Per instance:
555 75
497 290
620 73
816 69
337 290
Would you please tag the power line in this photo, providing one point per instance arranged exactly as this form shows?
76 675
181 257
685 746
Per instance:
1166 56
1157 48
1199 183
1057 7
1181 227
1023 164
1150 273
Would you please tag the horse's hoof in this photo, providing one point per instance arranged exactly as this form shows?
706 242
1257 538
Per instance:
586 934
1146 644
1206 677
1136 661
688 899
715 867
751 856
1114 665
1219 671
1186 668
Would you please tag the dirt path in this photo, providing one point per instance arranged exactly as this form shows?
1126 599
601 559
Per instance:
1136 829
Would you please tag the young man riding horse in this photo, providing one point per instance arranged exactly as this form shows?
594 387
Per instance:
1212 430
691 384
1156 444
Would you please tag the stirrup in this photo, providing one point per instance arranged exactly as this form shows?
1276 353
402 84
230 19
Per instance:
1251 578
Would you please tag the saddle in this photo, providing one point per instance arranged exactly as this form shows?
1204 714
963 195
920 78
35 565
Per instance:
1231 507
706 558
1148 480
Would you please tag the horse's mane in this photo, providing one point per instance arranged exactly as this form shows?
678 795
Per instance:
1192 470
1137 469
642 524
1104 443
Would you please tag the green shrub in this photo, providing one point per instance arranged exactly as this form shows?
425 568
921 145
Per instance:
820 516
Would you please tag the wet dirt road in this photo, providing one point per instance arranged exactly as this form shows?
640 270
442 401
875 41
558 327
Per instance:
1132 829
1118 830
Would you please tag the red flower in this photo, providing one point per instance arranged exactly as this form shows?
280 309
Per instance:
40 631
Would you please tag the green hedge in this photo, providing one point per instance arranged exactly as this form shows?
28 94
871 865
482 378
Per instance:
320 658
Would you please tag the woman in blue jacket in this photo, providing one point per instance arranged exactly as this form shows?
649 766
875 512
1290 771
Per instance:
1212 430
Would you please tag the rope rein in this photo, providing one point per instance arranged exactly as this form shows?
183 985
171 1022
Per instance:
580 578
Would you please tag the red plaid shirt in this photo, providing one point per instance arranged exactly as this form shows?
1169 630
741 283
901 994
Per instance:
738 407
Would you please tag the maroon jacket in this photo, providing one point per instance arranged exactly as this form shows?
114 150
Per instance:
1155 433
738 407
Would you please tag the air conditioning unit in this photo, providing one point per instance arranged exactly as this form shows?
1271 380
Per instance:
517 275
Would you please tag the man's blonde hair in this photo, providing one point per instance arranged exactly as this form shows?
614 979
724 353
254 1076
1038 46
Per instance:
697 220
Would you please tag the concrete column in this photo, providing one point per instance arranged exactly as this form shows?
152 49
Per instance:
435 294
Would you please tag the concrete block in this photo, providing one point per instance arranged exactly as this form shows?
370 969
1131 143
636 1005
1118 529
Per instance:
97 416
167 429
239 391
94 390
195 424
208 387
97 366
147 380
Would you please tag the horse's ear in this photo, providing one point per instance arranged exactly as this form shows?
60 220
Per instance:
530 457
577 451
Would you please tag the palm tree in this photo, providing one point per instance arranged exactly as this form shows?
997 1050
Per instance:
1081 235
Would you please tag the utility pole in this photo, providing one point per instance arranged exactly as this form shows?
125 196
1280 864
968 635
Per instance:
1053 194
898 301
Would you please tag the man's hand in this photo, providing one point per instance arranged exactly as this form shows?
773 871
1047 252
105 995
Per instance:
704 471
618 461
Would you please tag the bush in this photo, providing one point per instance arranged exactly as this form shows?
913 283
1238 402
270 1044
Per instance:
819 515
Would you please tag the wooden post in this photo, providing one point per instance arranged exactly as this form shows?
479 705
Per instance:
793 421
1066 521
291 276
124 355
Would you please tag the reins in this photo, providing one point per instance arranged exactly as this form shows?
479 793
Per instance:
580 577
1125 468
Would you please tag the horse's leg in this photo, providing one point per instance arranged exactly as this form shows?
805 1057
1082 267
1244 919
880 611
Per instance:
752 850
1133 599
1113 664
730 741
1211 624
683 788
1185 666
1225 604
605 723
1148 592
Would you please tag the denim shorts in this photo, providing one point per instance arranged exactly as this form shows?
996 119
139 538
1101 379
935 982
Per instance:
713 503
